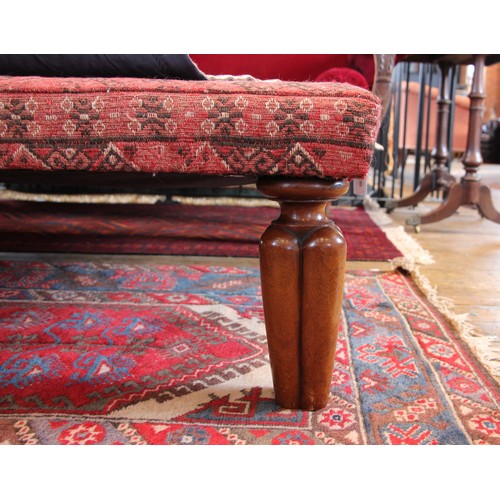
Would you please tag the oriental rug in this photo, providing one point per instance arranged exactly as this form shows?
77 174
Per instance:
134 354
167 229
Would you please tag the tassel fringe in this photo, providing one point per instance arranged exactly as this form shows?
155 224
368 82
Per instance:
487 349
7 194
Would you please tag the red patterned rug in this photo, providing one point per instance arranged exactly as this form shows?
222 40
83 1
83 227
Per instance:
129 354
166 229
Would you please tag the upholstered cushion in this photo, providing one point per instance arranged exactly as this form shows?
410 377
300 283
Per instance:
289 67
343 75
192 127
174 66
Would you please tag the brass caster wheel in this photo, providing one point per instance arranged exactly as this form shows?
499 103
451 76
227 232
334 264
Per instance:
416 229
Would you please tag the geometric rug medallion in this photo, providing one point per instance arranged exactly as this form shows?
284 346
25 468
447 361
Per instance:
162 354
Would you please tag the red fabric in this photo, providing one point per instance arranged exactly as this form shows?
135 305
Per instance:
291 67
166 229
210 127
343 75
364 64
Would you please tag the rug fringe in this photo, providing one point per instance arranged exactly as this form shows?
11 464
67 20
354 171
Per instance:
225 200
487 349
408 246
8 194
397 235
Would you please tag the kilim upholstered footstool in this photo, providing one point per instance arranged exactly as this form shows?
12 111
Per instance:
301 142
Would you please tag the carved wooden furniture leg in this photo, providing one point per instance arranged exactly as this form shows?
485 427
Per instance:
470 191
302 259
476 193
449 206
427 185
486 208
438 178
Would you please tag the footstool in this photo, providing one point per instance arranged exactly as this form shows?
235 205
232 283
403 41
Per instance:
302 143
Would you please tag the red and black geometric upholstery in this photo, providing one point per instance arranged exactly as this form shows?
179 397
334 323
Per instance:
216 127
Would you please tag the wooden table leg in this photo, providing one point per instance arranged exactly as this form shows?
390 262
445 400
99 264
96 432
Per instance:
470 191
438 179
452 202
486 208
475 193
302 259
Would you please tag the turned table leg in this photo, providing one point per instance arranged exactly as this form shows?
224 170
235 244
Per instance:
438 178
302 259
469 191
476 193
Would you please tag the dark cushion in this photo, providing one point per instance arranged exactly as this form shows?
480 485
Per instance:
172 66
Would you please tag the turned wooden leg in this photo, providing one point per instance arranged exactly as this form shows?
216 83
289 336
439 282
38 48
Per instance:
449 206
476 193
302 260
485 205
470 191
426 187
438 179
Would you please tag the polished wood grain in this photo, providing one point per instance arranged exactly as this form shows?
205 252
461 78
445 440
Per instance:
302 262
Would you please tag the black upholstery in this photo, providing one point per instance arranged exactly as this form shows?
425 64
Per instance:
172 66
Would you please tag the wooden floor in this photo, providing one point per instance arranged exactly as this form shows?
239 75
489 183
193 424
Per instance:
466 249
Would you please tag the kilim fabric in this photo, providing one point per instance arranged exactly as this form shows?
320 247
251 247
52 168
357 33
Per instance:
167 229
300 129
128 354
